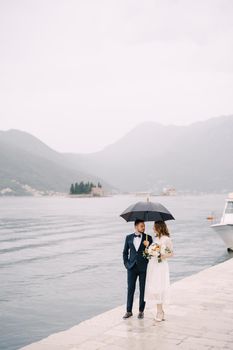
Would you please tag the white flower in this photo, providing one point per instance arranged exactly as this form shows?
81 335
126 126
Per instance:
151 250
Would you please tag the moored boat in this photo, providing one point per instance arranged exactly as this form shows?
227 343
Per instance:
225 227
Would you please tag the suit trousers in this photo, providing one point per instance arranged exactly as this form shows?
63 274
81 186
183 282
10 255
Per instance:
132 275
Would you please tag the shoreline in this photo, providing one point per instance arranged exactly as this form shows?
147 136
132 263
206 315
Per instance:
133 194
199 316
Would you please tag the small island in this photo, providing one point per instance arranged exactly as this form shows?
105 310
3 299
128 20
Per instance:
86 189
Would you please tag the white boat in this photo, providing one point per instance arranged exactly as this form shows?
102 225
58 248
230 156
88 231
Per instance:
225 228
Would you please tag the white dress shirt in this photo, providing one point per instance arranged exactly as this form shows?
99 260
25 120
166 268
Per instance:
137 240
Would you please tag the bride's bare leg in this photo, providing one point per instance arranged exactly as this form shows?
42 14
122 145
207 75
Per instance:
160 313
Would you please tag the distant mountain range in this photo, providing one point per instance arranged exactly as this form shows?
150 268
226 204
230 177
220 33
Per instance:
196 157
28 166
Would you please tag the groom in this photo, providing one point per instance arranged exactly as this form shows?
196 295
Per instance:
136 265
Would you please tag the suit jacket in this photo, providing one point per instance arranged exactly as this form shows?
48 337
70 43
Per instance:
131 256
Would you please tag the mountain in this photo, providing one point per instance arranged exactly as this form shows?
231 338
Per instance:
28 165
196 157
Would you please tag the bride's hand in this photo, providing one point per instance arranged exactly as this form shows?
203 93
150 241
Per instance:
166 255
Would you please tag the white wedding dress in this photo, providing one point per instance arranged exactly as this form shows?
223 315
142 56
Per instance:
157 287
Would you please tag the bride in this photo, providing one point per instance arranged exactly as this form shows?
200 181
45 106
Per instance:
157 287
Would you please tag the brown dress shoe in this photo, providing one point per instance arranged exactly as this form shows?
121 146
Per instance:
127 315
141 314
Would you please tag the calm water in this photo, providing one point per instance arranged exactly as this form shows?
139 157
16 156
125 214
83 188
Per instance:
61 258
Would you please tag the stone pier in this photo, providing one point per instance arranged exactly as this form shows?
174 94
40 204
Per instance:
199 317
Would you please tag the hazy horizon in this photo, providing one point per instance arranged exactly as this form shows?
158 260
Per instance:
79 75
120 136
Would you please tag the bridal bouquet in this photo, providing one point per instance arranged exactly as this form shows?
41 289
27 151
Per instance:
156 250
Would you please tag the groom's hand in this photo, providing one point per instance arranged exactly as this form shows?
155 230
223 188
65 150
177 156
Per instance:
146 243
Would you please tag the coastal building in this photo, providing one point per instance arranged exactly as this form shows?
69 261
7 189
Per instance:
97 191
169 191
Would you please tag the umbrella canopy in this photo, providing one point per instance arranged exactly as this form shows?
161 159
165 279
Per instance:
147 211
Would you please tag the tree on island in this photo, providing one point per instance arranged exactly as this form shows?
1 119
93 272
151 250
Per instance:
72 189
82 188
76 188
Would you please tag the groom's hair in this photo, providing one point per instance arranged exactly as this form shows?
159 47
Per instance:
138 221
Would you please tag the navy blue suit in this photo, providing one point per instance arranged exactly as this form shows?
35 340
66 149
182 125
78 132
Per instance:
136 266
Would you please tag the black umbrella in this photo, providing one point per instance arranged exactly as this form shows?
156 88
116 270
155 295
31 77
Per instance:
147 211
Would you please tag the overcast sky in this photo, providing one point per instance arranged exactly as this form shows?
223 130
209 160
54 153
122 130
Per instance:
79 74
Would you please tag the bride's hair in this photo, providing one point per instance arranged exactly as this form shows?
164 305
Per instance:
161 228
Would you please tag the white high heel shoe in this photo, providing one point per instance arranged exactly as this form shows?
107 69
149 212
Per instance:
159 319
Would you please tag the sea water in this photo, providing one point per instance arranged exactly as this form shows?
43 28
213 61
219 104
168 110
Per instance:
61 258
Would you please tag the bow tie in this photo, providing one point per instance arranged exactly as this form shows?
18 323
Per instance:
139 236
